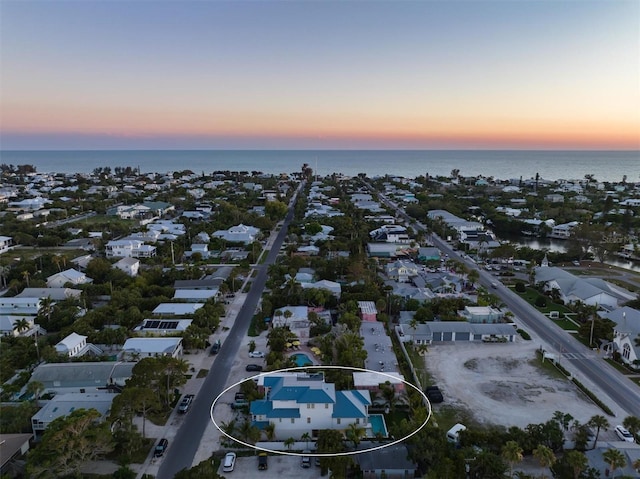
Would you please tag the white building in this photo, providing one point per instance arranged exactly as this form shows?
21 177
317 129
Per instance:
238 234
72 276
176 309
129 248
625 334
303 403
5 243
138 348
130 266
563 231
72 345
20 306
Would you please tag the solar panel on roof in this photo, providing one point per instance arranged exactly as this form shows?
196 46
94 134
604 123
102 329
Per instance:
168 325
152 324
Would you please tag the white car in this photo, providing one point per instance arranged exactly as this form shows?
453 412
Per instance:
229 462
624 435
256 354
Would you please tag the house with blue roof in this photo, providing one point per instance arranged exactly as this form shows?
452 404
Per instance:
298 403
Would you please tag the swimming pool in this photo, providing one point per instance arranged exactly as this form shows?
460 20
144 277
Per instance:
301 359
378 425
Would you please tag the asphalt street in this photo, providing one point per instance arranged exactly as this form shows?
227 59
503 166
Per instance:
616 385
182 451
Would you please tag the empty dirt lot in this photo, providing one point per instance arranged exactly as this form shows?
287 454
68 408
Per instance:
499 384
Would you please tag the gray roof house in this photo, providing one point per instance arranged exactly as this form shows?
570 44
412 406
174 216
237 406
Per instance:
446 331
631 452
62 405
82 377
390 462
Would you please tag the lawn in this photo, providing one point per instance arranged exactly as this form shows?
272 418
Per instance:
566 324
530 296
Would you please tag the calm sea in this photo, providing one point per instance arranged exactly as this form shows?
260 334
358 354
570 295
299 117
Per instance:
502 164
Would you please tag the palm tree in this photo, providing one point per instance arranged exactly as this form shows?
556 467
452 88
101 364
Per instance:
577 461
288 442
35 388
306 437
545 456
599 422
512 453
615 459
354 433
26 275
270 431
21 325
287 314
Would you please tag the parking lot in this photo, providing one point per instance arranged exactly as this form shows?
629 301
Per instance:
280 466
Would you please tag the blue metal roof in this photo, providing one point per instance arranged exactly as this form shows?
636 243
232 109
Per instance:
349 405
290 412
318 396
260 407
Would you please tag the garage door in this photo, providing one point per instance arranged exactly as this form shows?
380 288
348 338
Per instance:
447 336
462 336
437 337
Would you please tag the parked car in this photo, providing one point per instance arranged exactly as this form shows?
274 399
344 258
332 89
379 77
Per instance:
434 394
623 434
263 461
239 404
306 460
229 462
238 396
161 447
215 347
253 367
256 354
185 403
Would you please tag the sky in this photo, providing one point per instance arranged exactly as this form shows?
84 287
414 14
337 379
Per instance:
478 74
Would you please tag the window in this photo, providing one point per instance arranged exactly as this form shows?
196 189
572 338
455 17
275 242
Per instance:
626 351
308 420
326 405
338 421
293 420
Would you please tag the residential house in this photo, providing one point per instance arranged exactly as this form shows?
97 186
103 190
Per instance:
129 248
428 253
390 234
69 276
162 327
82 377
12 448
630 451
331 286
8 325
402 270
194 295
389 250
387 463
129 266
367 310
304 403
177 309
75 345
56 294
5 243
296 317
20 306
61 405
238 234
481 314
563 231
138 348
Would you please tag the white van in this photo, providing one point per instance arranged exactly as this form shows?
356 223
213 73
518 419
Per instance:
453 434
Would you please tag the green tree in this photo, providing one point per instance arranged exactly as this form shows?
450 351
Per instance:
355 433
288 442
134 400
21 325
598 422
632 423
69 442
512 453
545 456
615 458
577 461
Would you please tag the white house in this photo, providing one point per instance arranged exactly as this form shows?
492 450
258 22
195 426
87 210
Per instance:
161 327
304 403
176 309
481 314
20 306
129 266
563 231
56 294
59 280
238 234
8 324
296 317
130 247
72 345
5 243
331 286
402 270
138 348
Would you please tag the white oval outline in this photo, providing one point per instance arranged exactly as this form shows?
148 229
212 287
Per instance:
312 454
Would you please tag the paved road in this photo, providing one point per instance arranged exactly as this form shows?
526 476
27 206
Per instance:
187 440
615 384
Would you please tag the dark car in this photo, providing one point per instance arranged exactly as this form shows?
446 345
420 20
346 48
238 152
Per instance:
215 347
253 367
239 396
161 448
434 394
263 462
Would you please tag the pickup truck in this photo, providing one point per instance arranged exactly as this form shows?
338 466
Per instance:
185 403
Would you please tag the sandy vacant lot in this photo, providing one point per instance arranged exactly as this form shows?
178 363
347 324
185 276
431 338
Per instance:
497 383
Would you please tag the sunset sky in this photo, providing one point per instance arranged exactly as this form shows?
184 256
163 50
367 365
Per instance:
310 74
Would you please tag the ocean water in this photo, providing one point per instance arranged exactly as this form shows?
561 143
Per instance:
501 164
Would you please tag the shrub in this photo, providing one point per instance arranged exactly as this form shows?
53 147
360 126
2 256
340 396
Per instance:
520 287
524 334
541 301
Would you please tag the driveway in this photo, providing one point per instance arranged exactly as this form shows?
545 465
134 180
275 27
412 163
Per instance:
280 466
